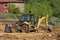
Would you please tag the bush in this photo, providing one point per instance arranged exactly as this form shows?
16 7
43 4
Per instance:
13 9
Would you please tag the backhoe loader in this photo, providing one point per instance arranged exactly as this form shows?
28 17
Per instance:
27 24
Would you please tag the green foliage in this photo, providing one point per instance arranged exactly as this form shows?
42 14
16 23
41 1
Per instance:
9 16
13 9
45 8
39 7
55 4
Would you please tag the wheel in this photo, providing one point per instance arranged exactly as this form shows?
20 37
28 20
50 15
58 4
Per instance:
8 28
15 28
25 28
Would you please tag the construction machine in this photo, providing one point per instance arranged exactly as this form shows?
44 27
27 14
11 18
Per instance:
27 23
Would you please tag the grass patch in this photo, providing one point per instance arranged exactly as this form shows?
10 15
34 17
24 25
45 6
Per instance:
9 16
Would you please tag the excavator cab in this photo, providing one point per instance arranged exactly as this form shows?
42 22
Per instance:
27 18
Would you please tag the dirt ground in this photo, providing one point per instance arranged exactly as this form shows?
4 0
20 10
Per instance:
42 35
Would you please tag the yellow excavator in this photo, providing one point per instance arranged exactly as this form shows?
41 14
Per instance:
27 23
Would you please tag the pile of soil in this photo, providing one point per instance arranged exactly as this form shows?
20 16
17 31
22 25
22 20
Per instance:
29 36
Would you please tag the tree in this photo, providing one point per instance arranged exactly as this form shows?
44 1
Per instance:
13 9
45 8
39 7
55 4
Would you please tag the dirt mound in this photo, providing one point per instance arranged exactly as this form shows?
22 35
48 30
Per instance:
42 35
56 29
10 37
29 36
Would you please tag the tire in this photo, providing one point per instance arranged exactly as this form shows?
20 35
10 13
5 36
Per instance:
15 26
26 28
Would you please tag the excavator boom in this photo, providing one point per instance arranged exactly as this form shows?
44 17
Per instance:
40 21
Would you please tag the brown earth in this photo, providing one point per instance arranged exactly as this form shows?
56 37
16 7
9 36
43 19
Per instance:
42 35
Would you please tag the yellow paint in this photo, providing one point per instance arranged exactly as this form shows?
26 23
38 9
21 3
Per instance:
40 21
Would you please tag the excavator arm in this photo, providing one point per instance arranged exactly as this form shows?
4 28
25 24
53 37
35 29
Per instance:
40 21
